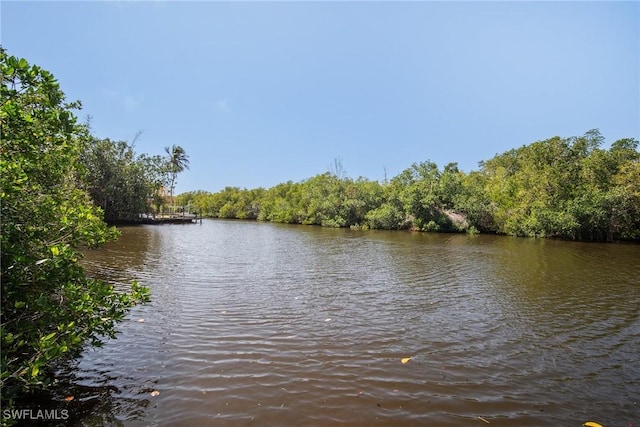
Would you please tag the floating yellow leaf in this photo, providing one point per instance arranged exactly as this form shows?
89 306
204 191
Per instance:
69 398
406 359
155 393
591 424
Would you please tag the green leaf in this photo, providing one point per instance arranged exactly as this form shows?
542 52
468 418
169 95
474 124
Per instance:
48 337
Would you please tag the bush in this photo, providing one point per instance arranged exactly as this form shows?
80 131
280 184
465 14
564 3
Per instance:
50 309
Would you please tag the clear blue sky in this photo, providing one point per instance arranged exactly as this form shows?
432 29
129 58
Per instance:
260 93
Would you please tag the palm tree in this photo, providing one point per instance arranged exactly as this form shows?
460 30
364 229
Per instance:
177 161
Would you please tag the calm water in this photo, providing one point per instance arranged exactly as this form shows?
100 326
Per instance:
258 324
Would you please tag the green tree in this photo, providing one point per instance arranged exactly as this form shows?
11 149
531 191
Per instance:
564 187
50 309
199 201
158 178
177 162
116 180
473 201
419 192
449 185
625 193
282 203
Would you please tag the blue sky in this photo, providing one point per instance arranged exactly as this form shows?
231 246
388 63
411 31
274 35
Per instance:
260 93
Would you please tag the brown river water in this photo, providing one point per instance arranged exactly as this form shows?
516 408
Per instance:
259 324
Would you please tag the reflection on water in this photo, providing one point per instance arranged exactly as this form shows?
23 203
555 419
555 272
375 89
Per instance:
266 324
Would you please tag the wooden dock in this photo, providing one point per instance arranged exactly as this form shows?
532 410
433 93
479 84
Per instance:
170 219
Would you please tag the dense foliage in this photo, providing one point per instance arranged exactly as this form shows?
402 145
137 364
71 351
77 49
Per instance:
561 187
115 179
50 308
124 184
567 188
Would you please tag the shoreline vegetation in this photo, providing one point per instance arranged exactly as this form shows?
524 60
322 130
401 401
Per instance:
51 310
60 185
567 188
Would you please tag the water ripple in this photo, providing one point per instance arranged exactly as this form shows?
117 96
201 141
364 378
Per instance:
263 324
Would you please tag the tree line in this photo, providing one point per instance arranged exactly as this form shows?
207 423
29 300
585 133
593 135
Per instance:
567 188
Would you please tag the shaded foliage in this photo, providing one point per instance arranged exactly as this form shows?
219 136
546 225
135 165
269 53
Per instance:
116 181
50 309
